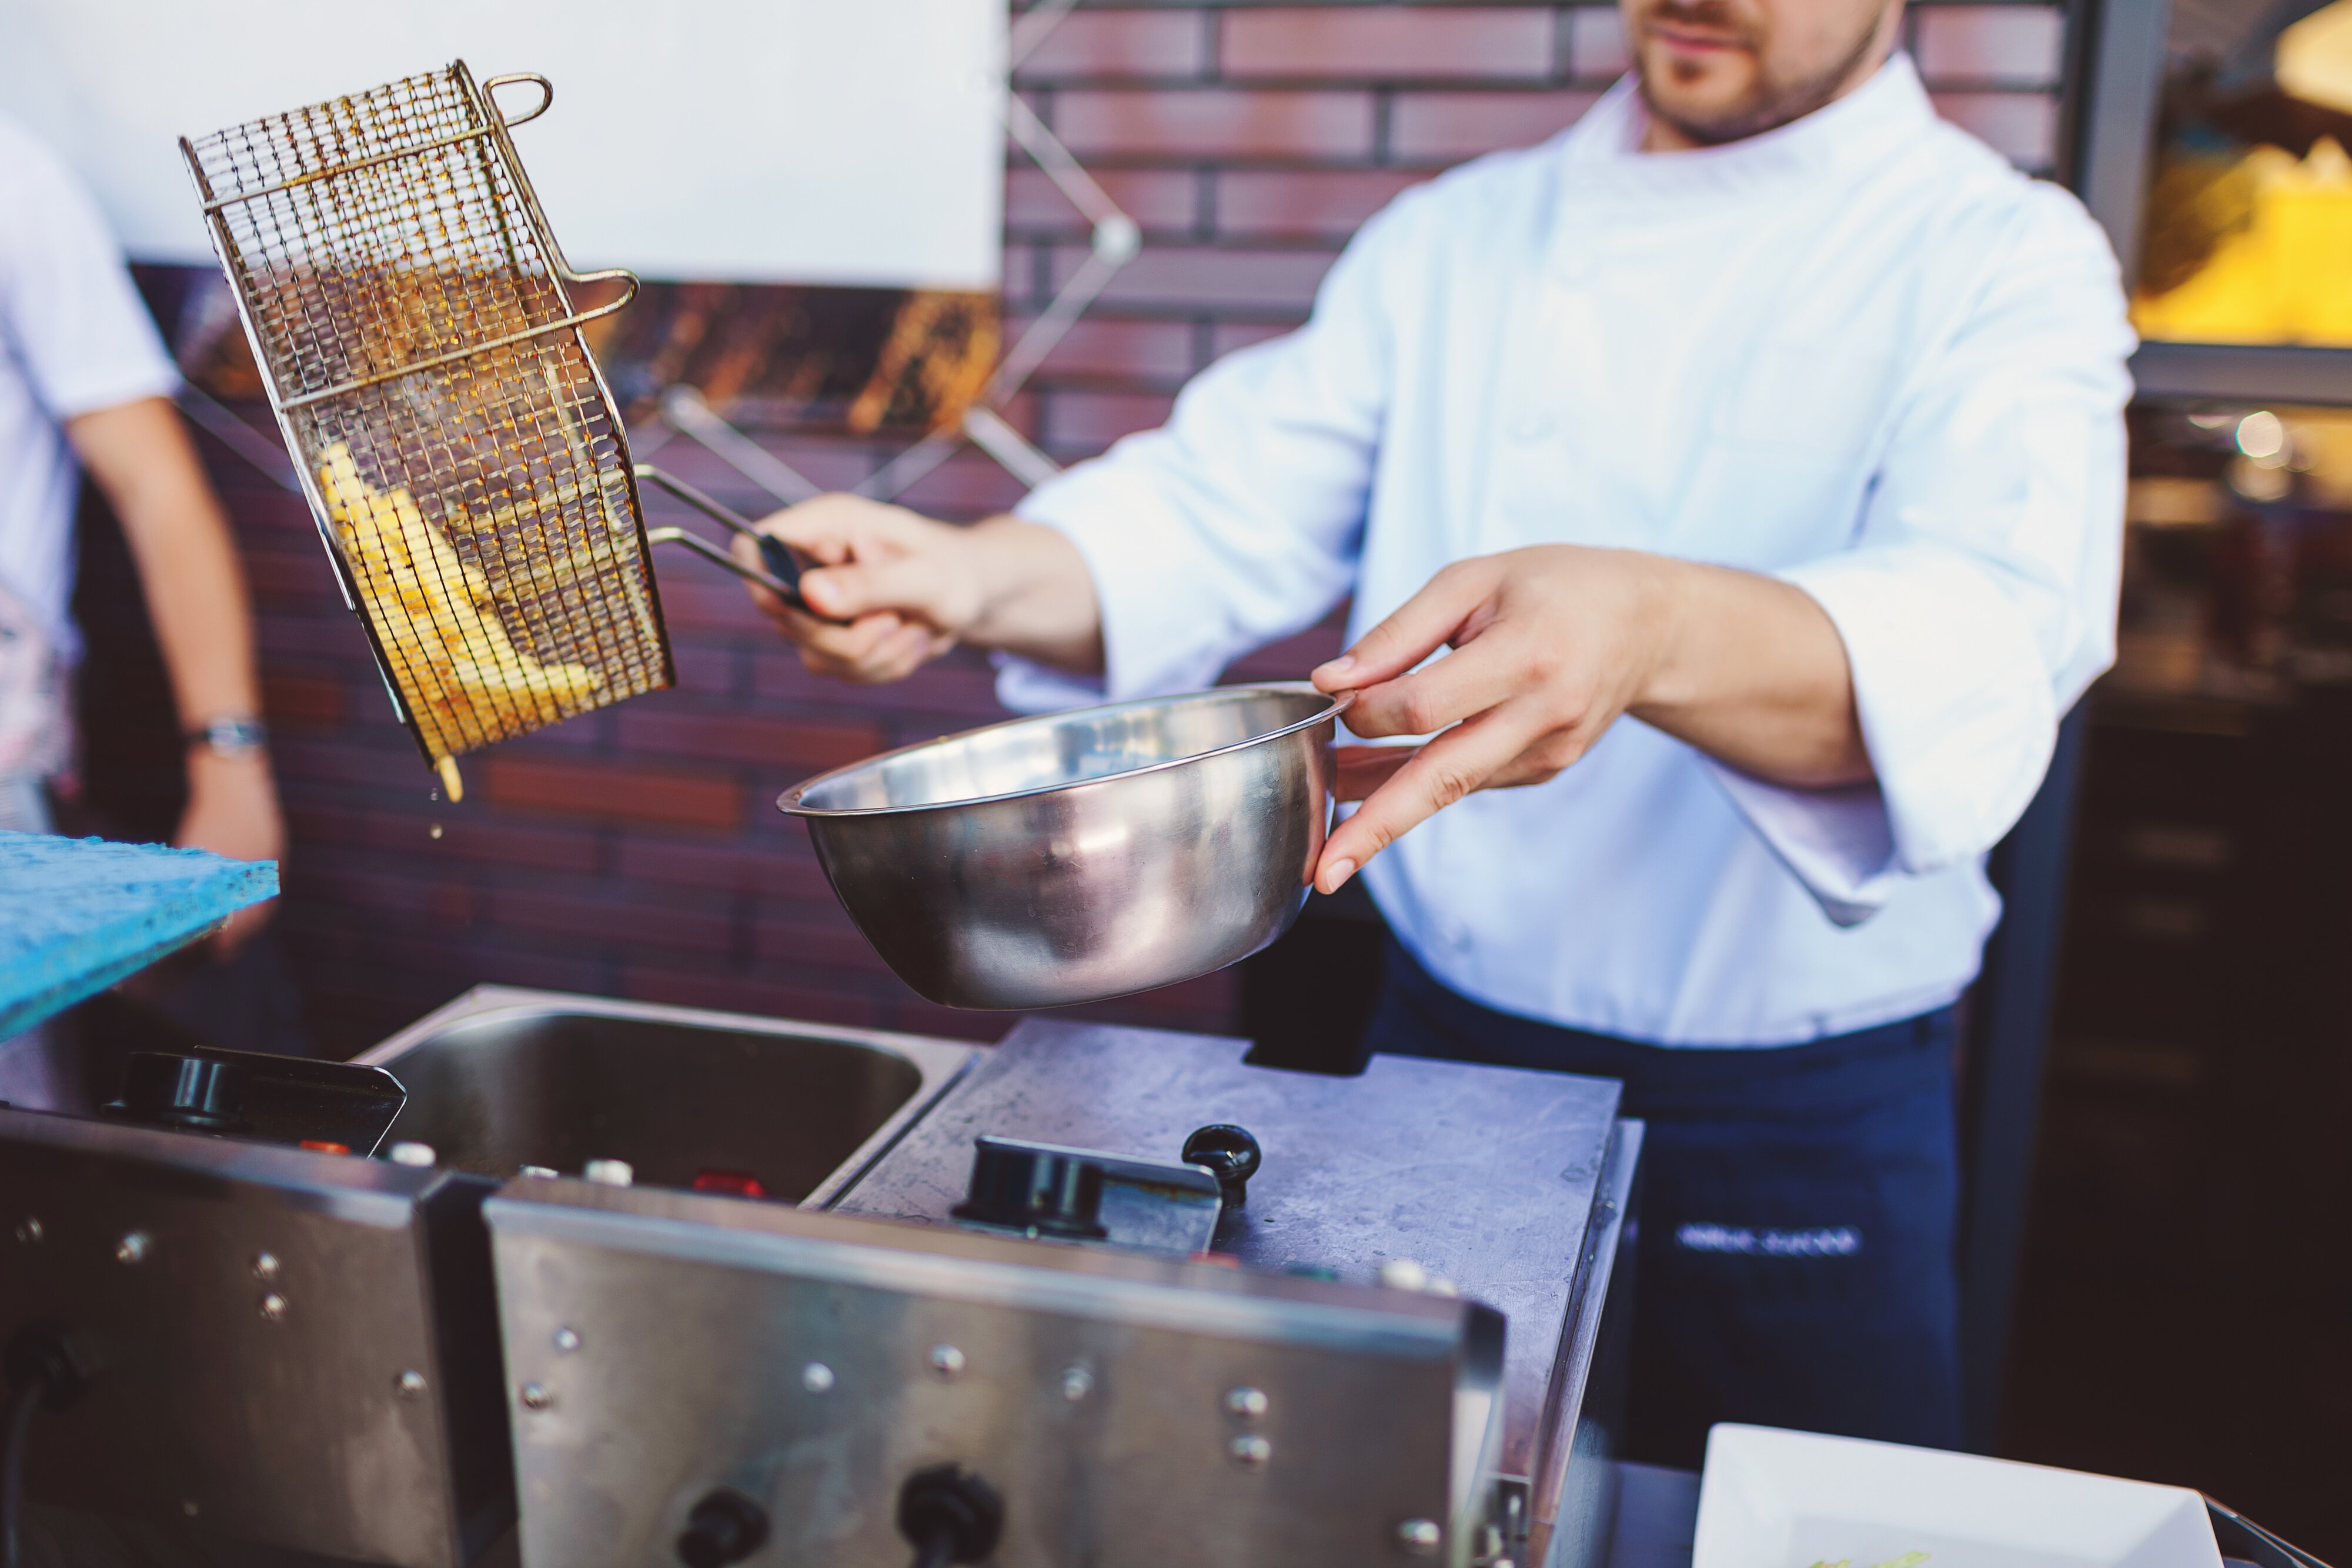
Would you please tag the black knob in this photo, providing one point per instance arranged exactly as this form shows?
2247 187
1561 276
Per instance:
1231 1155
950 1515
725 1527
1025 1186
180 1090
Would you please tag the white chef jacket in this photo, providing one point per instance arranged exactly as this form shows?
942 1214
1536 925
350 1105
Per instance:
1859 353
73 339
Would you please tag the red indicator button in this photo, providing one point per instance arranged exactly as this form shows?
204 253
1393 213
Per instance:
317 1146
734 1184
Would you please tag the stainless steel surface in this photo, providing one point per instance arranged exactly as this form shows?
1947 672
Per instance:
1153 1206
349 1408
1081 855
698 1316
1488 1175
411 312
1569 1505
502 1078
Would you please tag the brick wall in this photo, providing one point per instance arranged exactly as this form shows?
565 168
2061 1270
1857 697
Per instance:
636 852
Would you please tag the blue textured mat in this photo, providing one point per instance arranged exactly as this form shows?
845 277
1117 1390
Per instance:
77 915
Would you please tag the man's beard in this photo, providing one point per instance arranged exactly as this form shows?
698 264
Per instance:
1770 104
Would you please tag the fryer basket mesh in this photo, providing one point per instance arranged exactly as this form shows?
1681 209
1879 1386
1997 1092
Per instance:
410 311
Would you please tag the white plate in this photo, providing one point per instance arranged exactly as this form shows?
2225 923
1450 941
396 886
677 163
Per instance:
1772 1498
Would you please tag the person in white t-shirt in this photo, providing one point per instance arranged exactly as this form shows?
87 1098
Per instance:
86 387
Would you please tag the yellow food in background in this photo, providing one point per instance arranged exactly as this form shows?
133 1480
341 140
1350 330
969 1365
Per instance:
466 681
2280 249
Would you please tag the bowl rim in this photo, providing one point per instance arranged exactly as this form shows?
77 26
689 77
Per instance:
1335 703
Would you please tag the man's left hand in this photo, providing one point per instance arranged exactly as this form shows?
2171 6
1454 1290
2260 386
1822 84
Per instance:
233 811
1552 646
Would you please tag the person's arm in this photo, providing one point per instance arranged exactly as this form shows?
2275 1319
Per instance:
1885 710
1553 645
1149 569
139 454
899 589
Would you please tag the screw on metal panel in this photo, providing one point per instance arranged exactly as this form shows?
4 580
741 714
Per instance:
30 1231
1419 1537
1250 1452
567 1340
816 1377
265 1265
1249 1404
946 1360
133 1248
535 1397
409 1384
273 1308
188 1507
610 1172
1077 1384
540 1173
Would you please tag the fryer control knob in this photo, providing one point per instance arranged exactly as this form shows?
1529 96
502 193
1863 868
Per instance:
173 1090
725 1527
1231 1155
1022 1186
950 1515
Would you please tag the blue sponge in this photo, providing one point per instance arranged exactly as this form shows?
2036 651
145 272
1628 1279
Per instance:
77 915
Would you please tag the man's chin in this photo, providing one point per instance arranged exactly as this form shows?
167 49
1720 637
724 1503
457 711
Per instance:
1706 118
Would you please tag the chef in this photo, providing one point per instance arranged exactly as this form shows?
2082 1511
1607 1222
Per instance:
1727 493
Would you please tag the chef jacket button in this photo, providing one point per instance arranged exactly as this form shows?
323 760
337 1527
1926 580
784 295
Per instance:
1529 428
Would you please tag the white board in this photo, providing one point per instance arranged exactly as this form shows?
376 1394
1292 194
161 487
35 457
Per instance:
841 141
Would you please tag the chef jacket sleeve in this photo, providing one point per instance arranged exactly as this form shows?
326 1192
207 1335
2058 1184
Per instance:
1238 522
1976 601
67 308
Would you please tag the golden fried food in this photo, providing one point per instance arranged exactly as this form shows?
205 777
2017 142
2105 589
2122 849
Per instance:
466 681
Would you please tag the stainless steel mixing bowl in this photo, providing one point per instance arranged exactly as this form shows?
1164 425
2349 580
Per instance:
1087 854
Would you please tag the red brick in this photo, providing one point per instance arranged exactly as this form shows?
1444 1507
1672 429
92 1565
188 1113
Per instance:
327 634
630 923
1158 199
1088 421
1287 204
1120 44
466 839
1100 346
1413 42
732 868
765 997
380 755
1596 44
283 571
1227 275
2020 126
2023 45
1215 123
941 687
1445 127
613 794
649 727
968 487
291 700
815 945
697 596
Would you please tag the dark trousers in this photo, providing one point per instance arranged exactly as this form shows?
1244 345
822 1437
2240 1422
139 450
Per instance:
1798 1218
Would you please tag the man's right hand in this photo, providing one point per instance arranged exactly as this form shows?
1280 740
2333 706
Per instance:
892 591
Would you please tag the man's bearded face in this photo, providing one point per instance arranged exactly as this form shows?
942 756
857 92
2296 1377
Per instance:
1718 70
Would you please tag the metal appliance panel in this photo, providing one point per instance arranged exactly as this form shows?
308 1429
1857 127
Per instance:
660 1344
1486 1175
339 1398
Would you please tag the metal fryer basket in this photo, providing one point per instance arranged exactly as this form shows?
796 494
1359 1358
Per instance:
411 313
